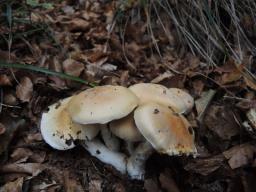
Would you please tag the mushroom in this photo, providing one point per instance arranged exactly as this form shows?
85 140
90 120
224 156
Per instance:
101 105
110 140
150 92
126 129
97 149
59 131
167 132
185 97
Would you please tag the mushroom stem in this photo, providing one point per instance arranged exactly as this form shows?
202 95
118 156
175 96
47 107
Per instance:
129 147
97 149
136 162
110 140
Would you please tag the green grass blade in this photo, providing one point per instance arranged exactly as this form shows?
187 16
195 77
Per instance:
45 71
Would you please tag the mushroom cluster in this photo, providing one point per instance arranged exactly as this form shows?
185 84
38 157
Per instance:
144 117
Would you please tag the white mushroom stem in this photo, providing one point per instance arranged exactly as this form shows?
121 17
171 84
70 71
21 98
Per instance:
136 163
97 149
110 140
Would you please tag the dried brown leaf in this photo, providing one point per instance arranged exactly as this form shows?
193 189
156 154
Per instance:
10 99
5 80
151 185
78 24
250 83
95 185
25 89
162 76
203 103
168 183
240 155
33 137
251 115
119 187
14 186
71 184
231 77
205 166
11 125
21 153
220 120
29 168
73 67
2 129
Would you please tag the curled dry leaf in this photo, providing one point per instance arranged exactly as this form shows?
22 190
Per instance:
73 67
10 99
25 89
33 137
14 186
151 185
205 166
118 187
203 102
162 76
251 115
2 129
21 153
95 185
240 155
71 184
168 183
11 126
5 80
29 168
221 121
78 24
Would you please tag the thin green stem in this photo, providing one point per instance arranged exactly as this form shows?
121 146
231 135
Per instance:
46 71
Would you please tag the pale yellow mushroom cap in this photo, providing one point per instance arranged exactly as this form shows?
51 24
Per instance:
102 104
126 129
167 132
185 97
59 131
150 92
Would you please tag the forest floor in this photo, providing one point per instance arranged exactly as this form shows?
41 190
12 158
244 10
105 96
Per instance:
92 42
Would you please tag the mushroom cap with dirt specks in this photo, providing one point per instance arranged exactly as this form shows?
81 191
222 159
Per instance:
150 92
168 132
185 97
102 104
59 131
126 129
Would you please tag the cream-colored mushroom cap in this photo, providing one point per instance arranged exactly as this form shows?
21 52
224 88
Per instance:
150 92
126 129
167 132
59 131
102 104
185 97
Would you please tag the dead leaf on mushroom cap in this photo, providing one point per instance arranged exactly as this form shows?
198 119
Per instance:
24 90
